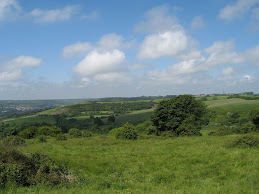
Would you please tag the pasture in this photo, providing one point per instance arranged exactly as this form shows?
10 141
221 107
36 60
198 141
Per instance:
103 164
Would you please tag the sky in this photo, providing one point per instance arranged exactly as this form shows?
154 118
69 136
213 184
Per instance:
68 49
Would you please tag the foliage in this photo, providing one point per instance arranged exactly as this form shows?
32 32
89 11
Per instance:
245 141
42 139
171 113
189 127
87 134
24 170
127 131
223 130
75 132
29 133
254 116
13 141
61 137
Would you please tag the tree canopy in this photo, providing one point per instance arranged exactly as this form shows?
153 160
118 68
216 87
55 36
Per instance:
181 110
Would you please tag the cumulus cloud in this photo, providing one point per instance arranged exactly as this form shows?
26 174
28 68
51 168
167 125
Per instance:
112 77
247 79
237 10
55 15
158 19
12 70
227 71
167 43
252 55
110 41
77 49
97 62
9 9
222 53
197 22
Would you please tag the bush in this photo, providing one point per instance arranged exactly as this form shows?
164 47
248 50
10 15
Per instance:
246 128
87 134
223 130
127 131
75 132
189 127
245 141
13 141
42 139
27 170
152 130
254 117
29 133
61 137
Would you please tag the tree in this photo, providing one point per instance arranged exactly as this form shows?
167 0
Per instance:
170 114
254 117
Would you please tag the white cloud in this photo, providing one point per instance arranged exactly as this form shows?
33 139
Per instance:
51 16
237 10
252 55
112 77
100 62
158 19
227 71
256 13
77 49
109 42
247 79
197 22
23 61
9 9
11 70
222 53
92 16
9 76
167 43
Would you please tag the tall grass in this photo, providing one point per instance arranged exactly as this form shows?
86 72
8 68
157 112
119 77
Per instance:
182 165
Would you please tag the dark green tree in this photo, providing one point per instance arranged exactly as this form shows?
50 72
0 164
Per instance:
254 117
170 114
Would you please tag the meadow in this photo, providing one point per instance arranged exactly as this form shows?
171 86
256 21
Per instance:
103 164
150 164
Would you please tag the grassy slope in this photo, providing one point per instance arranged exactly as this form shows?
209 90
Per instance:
232 105
181 165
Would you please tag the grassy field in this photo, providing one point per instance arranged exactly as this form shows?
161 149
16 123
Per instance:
33 119
232 105
103 164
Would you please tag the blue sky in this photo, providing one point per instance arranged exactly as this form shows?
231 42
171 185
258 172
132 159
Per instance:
83 48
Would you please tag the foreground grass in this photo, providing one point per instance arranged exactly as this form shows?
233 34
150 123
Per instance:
181 165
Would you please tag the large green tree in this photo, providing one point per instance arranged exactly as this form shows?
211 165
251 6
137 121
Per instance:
178 114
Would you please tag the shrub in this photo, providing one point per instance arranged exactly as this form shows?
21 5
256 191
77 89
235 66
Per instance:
13 141
152 130
29 133
189 127
246 128
87 134
245 141
223 130
75 132
61 137
254 117
127 131
42 139
27 170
